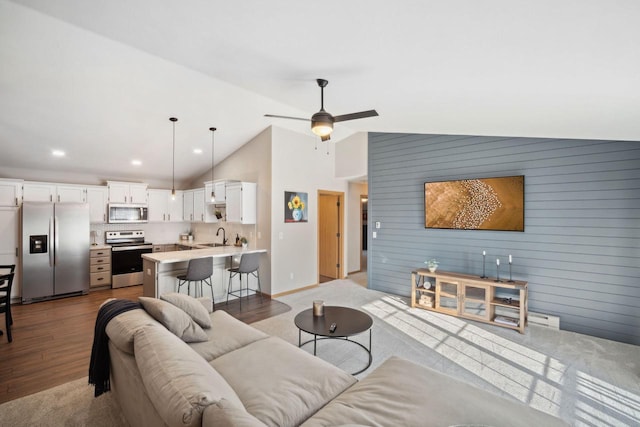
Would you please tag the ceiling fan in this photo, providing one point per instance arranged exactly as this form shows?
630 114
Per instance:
322 121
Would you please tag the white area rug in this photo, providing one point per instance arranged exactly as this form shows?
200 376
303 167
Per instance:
584 380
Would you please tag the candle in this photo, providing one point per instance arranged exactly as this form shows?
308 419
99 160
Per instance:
484 253
497 261
510 259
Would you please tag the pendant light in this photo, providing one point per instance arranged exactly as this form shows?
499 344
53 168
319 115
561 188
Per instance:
213 188
173 170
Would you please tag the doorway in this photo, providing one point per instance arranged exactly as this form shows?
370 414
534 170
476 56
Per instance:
364 201
330 235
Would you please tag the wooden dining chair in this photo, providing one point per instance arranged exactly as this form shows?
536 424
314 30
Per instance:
6 281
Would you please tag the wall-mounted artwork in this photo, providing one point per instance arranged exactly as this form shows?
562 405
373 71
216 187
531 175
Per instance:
476 204
295 206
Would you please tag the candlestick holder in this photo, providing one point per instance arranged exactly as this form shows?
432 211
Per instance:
484 276
498 273
510 279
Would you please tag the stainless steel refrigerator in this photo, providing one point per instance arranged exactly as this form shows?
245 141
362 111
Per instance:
55 250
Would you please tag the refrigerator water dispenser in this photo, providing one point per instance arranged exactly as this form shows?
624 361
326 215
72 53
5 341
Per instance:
38 244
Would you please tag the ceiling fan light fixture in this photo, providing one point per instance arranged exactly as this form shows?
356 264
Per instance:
322 124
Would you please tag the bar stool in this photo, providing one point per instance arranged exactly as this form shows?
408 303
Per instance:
198 270
249 264
6 281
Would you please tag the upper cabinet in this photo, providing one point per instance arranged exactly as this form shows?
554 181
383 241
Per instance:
97 197
220 189
48 192
10 193
38 192
127 192
193 205
163 207
71 194
241 202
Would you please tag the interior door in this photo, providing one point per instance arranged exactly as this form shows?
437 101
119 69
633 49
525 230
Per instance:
330 235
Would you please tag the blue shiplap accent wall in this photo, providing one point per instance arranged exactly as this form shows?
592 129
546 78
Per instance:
580 251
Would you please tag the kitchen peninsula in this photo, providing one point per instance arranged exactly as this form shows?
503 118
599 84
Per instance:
162 268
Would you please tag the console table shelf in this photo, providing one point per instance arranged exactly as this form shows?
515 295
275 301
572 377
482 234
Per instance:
501 303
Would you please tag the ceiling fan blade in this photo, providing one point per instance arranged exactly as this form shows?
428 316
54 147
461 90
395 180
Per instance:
286 117
353 116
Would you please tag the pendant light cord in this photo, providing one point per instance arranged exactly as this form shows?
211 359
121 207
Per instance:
173 164
213 191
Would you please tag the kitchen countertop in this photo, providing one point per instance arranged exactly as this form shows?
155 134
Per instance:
99 246
198 252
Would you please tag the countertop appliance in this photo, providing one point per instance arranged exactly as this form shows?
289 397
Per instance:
127 248
55 250
125 214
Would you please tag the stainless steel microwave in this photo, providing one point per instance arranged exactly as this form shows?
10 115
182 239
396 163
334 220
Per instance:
121 213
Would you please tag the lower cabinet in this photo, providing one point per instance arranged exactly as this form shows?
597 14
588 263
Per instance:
501 303
100 268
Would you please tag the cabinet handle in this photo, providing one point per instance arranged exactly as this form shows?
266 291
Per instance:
100 260
163 217
50 197
169 217
16 201
100 278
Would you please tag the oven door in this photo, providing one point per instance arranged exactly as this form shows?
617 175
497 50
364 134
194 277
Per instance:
128 259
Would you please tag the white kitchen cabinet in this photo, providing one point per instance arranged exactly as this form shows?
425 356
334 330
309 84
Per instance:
193 206
71 194
175 207
163 207
97 197
187 205
158 205
127 192
241 202
10 193
9 243
38 192
198 205
220 189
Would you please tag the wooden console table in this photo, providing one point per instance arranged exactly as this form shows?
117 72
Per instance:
501 303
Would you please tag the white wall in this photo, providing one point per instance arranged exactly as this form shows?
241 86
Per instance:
351 156
297 166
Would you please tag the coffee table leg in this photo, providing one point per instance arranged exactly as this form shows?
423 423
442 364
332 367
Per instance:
299 337
315 340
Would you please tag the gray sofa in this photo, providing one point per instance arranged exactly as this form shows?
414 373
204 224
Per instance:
239 376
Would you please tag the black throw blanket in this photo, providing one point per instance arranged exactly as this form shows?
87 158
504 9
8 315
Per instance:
99 370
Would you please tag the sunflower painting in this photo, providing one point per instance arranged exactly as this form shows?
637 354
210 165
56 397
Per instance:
295 207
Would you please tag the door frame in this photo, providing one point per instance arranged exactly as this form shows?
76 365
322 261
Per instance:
340 195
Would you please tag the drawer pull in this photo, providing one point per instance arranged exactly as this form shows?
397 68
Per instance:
100 278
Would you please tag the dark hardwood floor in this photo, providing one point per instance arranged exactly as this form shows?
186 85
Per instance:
52 339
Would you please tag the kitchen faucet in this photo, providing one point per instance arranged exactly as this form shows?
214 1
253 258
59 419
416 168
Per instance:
224 239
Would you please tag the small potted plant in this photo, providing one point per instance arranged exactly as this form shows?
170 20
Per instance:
218 214
244 242
432 264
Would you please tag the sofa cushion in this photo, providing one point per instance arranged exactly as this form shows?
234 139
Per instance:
226 334
400 392
178 381
122 327
174 319
225 414
189 305
280 384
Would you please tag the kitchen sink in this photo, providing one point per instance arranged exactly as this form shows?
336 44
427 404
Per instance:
214 245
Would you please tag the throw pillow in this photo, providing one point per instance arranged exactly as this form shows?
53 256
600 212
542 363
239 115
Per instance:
175 320
189 305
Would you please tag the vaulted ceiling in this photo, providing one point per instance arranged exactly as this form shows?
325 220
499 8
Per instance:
99 80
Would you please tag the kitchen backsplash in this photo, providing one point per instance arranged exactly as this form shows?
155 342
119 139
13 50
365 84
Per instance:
163 232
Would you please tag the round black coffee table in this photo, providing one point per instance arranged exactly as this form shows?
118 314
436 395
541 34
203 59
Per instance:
349 322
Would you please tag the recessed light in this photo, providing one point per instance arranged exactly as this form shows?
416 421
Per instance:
58 153
136 162
197 151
